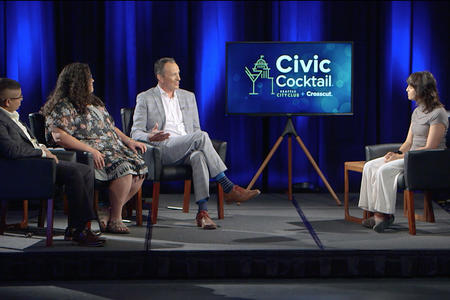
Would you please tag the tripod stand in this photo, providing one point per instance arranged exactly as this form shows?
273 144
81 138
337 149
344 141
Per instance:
289 130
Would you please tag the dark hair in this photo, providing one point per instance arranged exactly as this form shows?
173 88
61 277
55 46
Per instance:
426 89
159 64
73 85
7 84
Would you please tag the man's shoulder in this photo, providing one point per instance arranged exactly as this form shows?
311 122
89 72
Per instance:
185 93
4 118
147 93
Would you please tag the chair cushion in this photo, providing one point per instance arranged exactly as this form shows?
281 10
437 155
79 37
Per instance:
178 172
62 154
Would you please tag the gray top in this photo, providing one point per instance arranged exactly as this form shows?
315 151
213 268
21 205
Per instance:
420 125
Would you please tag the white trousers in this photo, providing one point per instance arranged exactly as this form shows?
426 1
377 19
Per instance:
379 185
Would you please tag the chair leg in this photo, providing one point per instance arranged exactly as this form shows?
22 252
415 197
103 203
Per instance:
187 195
88 223
428 207
24 223
155 201
220 211
367 214
3 210
49 222
138 197
405 205
411 215
129 208
41 216
96 203
96 197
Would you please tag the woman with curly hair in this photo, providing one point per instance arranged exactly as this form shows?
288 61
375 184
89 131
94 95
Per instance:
77 119
429 124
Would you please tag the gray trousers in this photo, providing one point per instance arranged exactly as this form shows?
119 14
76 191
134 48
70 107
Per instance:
196 150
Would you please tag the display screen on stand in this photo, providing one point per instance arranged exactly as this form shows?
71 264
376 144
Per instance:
289 78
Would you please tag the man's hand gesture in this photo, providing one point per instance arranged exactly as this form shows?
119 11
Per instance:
157 135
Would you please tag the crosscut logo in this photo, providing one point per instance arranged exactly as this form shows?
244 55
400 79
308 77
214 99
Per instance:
295 76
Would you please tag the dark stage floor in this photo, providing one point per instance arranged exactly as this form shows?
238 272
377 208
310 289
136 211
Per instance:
269 222
264 238
276 289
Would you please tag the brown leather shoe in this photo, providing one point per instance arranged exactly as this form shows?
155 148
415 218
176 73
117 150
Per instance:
204 221
239 194
87 238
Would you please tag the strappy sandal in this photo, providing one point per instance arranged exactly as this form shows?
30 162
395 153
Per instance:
117 227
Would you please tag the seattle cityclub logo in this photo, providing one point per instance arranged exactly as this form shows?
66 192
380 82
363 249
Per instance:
289 80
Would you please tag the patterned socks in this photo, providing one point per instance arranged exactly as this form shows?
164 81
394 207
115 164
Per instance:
226 184
202 204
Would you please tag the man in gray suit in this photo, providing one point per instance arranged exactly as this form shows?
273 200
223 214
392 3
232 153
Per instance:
181 139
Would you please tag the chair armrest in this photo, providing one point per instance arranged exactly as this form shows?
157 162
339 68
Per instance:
375 151
84 157
27 178
221 148
427 169
62 154
153 160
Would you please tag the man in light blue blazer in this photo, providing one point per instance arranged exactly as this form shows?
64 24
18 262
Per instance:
174 111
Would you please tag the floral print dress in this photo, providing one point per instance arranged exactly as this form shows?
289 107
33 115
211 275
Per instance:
96 128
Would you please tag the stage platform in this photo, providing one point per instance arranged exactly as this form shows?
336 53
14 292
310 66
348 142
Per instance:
263 238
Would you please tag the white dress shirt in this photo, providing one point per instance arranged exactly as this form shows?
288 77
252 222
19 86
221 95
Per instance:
174 118
15 117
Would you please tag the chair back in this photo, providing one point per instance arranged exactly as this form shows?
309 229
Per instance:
37 126
127 119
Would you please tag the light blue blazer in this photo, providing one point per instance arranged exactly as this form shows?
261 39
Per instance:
150 110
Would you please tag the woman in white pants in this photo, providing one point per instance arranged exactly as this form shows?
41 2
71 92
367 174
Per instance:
429 125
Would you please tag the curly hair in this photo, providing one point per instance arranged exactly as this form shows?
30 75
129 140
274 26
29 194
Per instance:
426 90
73 85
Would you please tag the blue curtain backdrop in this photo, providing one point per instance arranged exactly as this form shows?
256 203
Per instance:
121 41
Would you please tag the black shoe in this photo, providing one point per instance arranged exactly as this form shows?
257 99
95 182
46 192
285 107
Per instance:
381 226
68 234
88 238
369 222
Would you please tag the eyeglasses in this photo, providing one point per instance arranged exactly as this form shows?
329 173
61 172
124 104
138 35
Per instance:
12 98
16 98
